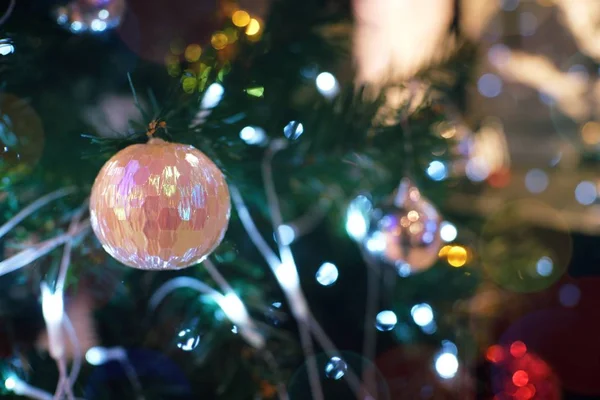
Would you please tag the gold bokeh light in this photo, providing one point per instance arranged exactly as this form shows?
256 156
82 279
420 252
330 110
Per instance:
590 133
219 40
240 18
457 256
193 52
253 27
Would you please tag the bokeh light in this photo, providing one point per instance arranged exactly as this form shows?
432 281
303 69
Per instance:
446 365
335 368
6 47
293 130
520 378
187 340
193 52
327 85
327 274
495 354
518 349
422 314
569 295
586 193
489 85
477 169
528 23
240 18
590 133
536 180
357 217
437 170
544 266
448 231
253 27
386 320
253 135
219 40
457 256
213 95
10 383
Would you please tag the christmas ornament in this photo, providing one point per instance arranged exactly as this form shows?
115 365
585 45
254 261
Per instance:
159 206
21 139
405 233
93 16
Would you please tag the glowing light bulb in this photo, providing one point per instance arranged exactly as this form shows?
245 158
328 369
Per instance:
446 365
327 274
422 314
240 18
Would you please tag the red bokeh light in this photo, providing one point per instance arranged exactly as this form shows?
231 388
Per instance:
525 392
520 378
518 349
495 354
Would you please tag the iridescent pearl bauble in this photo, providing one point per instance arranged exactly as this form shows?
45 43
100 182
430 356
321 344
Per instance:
406 233
159 206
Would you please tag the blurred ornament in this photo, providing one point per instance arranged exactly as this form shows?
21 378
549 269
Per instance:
21 139
159 206
94 16
406 233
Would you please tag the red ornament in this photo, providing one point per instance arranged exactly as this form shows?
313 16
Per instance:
159 206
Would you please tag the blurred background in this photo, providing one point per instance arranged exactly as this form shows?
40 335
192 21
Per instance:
491 107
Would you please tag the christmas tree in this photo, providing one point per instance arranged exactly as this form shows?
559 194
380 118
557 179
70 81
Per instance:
298 200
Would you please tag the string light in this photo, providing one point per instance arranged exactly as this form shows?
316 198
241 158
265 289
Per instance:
212 97
457 256
287 234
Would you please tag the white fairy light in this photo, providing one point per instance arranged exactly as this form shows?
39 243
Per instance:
446 365
327 85
327 274
448 231
422 314
52 306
